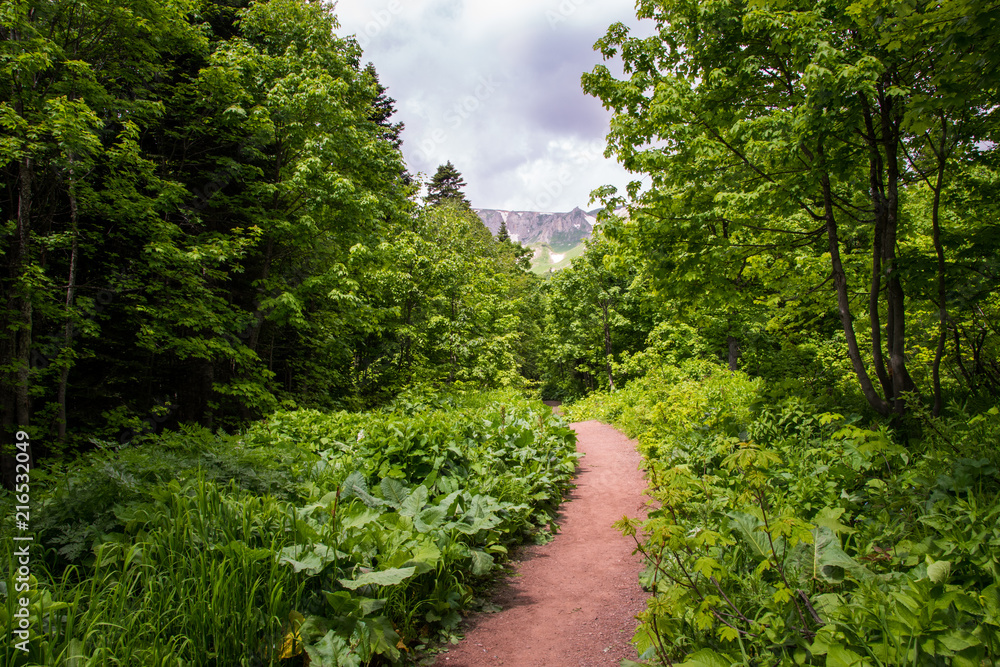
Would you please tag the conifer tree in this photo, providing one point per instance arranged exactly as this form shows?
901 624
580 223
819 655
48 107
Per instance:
503 235
446 186
383 109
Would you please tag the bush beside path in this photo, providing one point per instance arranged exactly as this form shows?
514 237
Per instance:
572 601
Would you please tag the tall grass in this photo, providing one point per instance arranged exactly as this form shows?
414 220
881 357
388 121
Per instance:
192 580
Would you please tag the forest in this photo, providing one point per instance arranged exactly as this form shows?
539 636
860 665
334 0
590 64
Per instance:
283 396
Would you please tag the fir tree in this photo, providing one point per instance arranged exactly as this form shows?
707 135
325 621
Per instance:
446 186
383 109
503 235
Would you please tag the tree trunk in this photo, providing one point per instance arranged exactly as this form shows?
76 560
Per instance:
896 324
607 344
942 156
734 352
207 393
68 328
258 317
942 292
880 207
23 349
843 301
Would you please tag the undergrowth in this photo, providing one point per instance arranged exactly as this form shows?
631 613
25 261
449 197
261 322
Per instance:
313 538
787 533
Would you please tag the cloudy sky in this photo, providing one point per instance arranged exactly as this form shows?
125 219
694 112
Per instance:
495 88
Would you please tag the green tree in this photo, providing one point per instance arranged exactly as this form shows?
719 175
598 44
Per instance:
446 186
70 107
383 109
802 113
502 234
595 317
443 302
190 252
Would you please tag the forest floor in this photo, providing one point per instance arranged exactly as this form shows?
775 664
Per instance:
573 601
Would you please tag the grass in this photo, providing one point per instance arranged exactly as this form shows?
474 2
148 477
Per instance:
542 262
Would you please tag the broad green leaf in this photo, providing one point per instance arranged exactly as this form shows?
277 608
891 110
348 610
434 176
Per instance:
482 562
308 559
424 558
958 640
751 530
383 637
990 599
394 492
75 654
414 502
429 519
361 519
825 560
389 577
355 486
706 657
838 655
939 571
332 650
829 517
370 605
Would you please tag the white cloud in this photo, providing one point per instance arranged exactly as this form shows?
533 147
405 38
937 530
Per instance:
495 88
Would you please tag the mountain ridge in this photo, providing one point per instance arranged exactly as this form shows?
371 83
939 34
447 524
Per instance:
561 231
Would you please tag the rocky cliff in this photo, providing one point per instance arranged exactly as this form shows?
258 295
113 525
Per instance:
561 231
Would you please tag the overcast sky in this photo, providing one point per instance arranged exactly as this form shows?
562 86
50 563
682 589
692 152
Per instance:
494 86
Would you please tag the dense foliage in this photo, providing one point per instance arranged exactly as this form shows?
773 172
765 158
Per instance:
818 172
785 533
816 250
343 536
207 217
248 354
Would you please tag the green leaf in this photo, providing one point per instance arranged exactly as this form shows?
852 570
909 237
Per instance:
308 559
394 492
706 657
990 599
958 640
361 519
389 577
728 633
829 517
482 562
429 519
75 654
840 656
414 502
939 571
355 486
824 559
383 637
370 605
331 650
751 530
424 558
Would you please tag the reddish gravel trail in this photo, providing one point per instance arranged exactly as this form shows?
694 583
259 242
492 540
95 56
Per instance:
573 601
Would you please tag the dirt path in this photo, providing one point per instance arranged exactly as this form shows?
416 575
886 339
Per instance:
572 602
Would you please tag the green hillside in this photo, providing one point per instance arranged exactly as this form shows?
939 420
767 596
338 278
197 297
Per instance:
548 258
